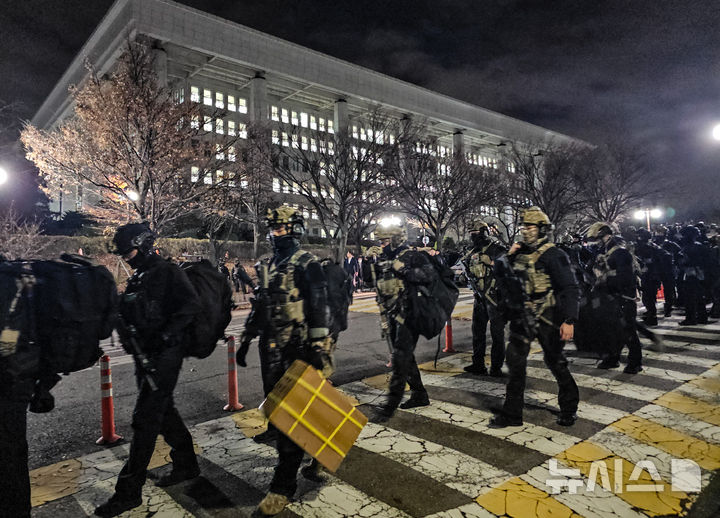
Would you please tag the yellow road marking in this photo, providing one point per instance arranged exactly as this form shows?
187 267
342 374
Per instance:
673 442
709 384
614 474
518 499
55 481
250 422
161 455
693 407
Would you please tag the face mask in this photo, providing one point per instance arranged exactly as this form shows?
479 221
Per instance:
396 241
283 243
478 238
137 261
530 234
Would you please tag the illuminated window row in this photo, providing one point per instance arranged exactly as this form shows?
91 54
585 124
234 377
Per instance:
219 177
482 160
219 100
301 119
368 135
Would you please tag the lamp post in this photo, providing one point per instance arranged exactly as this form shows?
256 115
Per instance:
648 213
130 195
3 176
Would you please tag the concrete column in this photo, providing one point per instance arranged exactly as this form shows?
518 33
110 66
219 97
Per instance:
160 63
258 98
459 144
340 117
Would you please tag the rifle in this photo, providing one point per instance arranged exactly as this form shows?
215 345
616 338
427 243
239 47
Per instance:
473 283
384 324
515 302
129 339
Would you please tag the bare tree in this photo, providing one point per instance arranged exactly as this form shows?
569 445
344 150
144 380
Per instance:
134 141
434 185
339 175
545 175
19 239
612 179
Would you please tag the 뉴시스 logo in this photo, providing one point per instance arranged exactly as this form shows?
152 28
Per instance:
685 476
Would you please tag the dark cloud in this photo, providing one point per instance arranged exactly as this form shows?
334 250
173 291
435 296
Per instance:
646 71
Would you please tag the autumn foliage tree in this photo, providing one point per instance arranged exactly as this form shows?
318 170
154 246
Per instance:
133 143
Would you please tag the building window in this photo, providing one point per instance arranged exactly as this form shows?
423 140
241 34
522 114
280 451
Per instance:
194 174
275 113
313 145
331 148
275 137
231 128
303 119
285 116
231 154
219 126
219 153
286 187
285 139
313 122
179 95
243 130
363 134
276 185
208 124
195 94
207 97
219 100
294 118
330 126
355 131
207 179
231 103
242 105
391 138
321 124
314 215
218 176
295 143
322 233
195 122
304 142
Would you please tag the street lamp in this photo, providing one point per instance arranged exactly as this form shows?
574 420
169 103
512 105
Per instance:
716 132
646 214
132 195
3 176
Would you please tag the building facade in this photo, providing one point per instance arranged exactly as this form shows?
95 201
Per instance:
253 76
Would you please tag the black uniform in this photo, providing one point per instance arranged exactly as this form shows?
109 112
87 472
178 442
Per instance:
693 270
650 257
543 323
160 302
616 277
669 272
283 342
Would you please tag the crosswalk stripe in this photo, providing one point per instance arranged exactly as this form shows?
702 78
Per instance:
597 503
691 406
590 411
515 497
699 393
587 456
681 422
711 385
671 441
447 466
665 374
607 385
679 359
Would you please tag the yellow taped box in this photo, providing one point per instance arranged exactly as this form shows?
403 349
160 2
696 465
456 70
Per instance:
315 415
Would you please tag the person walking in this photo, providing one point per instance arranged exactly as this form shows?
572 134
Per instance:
540 295
156 309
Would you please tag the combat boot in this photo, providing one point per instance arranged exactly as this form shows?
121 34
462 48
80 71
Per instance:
476 369
117 505
273 504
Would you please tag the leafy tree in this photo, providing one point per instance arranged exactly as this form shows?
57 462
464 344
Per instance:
132 142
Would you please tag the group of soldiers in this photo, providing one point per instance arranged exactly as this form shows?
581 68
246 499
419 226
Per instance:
534 286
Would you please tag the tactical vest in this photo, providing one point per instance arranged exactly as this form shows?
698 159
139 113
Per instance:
481 269
537 283
389 286
287 306
601 266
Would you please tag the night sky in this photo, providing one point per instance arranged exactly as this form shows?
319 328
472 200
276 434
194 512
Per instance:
643 71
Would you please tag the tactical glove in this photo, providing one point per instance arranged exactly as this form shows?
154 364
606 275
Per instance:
318 356
373 250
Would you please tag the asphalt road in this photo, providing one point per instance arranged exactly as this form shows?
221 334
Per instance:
72 428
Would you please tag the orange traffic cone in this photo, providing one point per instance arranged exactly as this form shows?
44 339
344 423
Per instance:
448 338
233 403
108 410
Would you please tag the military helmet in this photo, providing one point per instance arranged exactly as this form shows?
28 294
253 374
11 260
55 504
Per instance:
535 216
478 225
391 231
690 233
286 216
643 234
133 235
600 229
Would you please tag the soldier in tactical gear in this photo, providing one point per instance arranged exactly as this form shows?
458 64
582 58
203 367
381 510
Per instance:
615 277
669 261
291 317
693 271
158 305
650 257
547 311
397 266
478 263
